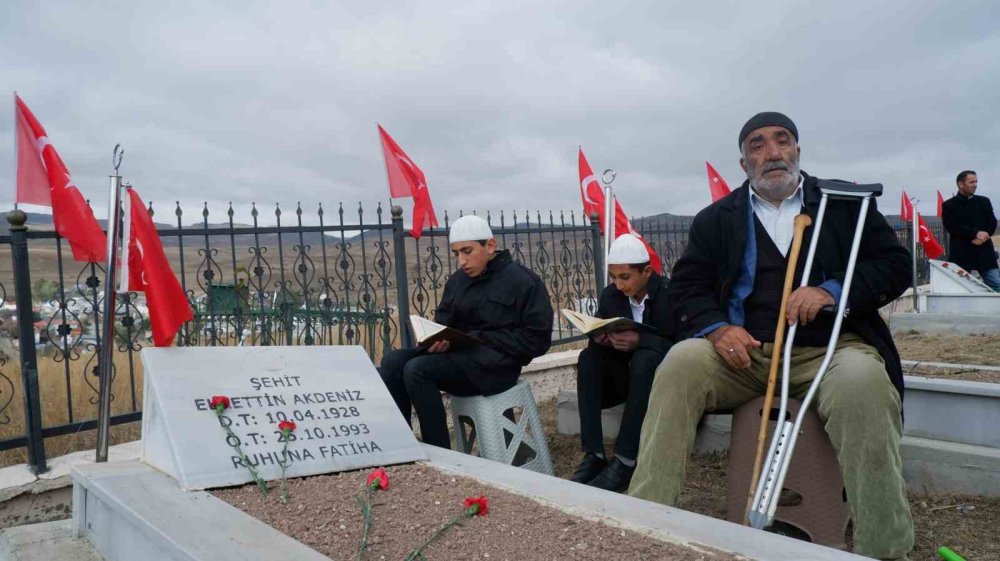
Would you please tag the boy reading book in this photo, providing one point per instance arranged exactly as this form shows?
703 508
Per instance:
619 362
491 299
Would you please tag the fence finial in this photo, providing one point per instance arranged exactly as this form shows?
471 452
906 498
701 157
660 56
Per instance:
17 219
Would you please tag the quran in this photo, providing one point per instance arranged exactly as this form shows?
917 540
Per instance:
427 332
589 324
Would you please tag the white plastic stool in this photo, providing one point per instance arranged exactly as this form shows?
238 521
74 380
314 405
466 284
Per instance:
500 438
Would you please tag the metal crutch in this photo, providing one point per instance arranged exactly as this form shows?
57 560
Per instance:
779 456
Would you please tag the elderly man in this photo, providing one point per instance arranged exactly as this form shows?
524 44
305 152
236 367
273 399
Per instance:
491 298
619 367
970 222
727 288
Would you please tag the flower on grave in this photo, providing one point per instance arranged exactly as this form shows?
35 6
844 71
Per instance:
285 427
474 506
477 506
377 479
219 404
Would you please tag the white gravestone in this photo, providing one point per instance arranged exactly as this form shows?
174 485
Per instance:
344 414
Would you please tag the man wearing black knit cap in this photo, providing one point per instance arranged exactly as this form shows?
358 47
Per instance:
727 289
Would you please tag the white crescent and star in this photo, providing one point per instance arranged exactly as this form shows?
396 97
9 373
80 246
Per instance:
583 188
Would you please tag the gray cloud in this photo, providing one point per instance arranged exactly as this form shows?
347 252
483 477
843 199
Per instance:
268 102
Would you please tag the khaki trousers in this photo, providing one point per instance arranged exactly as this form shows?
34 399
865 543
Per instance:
857 403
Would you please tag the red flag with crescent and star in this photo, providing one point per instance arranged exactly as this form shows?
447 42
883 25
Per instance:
42 179
940 209
150 272
593 201
716 184
407 180
932 248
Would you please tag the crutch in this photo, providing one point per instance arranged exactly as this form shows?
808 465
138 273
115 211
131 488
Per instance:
802 222
783 441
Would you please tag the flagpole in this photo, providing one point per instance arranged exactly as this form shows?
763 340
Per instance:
108 320
609 218
14 129
916 239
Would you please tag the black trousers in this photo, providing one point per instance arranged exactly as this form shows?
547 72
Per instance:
416 379
606 377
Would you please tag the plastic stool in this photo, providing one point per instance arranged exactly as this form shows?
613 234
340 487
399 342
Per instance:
501 439
814 475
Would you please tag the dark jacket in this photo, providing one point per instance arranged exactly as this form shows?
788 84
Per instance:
613 304
963 217
705 274
508 307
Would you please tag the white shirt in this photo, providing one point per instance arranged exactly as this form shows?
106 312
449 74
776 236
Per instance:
638 308
779 222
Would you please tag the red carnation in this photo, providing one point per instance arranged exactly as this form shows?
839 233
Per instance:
219 403
477 506
378 479
288 426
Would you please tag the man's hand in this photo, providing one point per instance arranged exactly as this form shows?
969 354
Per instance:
983 236
733 344
441 346
602 339
804 303
625 341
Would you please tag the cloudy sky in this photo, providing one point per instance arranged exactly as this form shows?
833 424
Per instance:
278 101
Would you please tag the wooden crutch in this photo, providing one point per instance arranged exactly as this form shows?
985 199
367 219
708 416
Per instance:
802 222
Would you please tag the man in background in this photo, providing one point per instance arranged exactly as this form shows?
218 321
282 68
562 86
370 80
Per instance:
970 223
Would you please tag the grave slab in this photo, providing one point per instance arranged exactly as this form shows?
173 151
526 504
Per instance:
346 418
130 511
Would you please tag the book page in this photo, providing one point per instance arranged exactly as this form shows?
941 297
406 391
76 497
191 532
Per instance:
424 328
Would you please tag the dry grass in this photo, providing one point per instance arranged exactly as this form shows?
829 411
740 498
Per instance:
52 382
945 347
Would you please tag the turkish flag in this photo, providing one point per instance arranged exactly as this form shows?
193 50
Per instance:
940 205
932 248
73 217
407 180
593 201
150 272
716 184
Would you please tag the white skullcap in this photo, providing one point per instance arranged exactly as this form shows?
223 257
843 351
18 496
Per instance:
469 228
627 250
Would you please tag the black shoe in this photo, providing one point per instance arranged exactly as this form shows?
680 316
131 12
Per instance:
590 466
615 477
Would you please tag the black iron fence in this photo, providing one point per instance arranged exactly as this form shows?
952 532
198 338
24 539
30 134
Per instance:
342 277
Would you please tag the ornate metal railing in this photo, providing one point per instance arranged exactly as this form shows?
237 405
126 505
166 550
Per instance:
317 278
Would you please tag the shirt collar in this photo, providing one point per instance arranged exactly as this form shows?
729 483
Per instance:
634 303
756 199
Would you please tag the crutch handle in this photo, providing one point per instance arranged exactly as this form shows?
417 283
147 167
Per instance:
836 188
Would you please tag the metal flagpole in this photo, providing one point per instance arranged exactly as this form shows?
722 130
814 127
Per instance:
108 320
916 239
15 148
609 218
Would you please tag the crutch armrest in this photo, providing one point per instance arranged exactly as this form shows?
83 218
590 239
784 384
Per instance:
835 187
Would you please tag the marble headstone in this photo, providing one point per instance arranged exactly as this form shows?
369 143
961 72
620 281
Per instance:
344 414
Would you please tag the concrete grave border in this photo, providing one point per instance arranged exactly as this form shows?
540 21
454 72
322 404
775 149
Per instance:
128 510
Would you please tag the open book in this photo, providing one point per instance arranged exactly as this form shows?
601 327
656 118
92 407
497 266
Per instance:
589 324
427 333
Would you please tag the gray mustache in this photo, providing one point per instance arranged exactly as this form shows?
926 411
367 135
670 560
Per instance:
773 166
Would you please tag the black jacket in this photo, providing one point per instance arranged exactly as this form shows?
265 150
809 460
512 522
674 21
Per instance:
508 307
613 303
704 276
963 217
